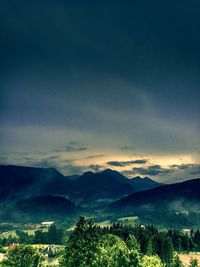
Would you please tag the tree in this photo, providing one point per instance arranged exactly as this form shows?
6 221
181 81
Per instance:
22 256
83 246
150 248
24 237
132 243
165 249
39 237
194 263
87 248
196 239
115 253
151 261
54 235
176 262
134 248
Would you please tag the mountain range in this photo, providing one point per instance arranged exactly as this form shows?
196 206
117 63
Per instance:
19 181
42 191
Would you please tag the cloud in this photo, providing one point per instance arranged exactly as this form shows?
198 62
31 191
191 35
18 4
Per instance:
3 158
126 163
151 170
197 171
43 163
95 167
125 147
190 168
71 147
94 156
140 161
182 166
74 169
128 173
53 157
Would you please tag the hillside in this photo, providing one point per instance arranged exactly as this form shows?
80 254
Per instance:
179 196
46 207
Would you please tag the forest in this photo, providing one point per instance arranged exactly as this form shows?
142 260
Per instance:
114 246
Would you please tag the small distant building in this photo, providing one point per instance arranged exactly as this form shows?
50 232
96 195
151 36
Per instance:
46 224
12 247
186 230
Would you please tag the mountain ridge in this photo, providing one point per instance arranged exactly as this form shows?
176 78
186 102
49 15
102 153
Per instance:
163 196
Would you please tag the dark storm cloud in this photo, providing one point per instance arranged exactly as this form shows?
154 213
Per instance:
70 34
152 170
126 163
135 41
105 74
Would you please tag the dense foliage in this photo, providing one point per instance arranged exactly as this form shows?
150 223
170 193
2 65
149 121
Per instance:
115 246
22 256
118 245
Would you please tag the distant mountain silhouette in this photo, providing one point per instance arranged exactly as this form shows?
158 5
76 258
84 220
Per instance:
108 183
28 181
20 182
141 184
184 195
28 184
35 194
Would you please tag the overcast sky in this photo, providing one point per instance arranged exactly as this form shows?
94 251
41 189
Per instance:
87 86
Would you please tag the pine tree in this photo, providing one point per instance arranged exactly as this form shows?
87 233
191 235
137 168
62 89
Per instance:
150 249
176 262
83 245
194 263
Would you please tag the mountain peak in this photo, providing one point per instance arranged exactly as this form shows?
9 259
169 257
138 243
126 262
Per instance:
109 171
137 177
141 184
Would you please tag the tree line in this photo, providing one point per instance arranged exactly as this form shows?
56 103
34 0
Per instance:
115 246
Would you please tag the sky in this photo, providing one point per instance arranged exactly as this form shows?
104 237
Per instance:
101 84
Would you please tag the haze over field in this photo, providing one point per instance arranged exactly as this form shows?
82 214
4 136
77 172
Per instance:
89 86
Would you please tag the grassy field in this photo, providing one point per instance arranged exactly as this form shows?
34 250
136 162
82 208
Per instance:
128 220
185 258
1 256
12 233
8 233
104 223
